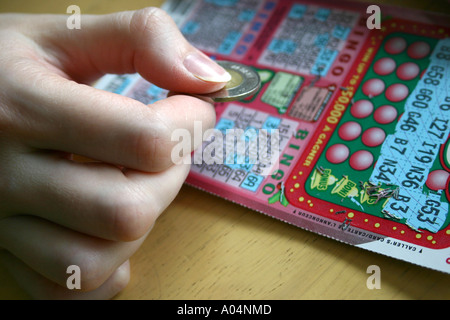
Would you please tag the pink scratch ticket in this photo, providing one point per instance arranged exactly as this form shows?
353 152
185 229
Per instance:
361 116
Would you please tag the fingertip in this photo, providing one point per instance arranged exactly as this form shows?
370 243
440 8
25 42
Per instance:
204 68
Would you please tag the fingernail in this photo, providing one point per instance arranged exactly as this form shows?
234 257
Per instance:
205 69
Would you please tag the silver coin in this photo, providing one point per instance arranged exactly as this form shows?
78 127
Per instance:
244 83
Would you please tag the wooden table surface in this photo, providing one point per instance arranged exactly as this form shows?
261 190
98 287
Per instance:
204 247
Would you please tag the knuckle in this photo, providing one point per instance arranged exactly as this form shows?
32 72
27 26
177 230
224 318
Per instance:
149 144
131 216
95 271
149 19
152 149
91 264
53 291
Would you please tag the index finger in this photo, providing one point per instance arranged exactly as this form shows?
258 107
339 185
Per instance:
65 116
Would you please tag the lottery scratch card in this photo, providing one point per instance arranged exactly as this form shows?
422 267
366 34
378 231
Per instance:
358 116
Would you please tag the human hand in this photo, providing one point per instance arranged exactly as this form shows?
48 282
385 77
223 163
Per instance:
55 212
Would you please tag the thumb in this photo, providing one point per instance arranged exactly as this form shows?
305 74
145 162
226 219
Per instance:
146 41
165 57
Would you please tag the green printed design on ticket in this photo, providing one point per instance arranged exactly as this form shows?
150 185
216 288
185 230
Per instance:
281 90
